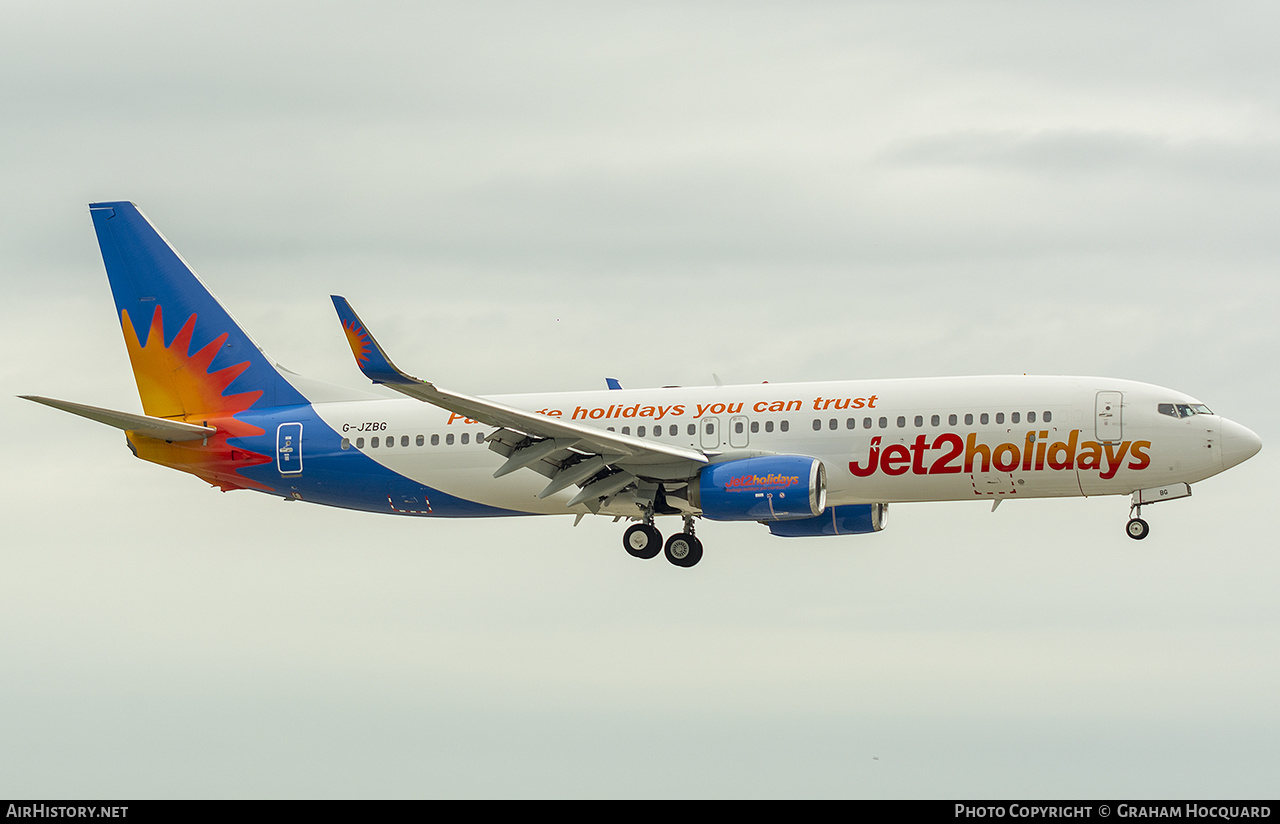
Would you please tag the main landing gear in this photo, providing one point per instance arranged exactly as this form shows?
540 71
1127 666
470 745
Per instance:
643 540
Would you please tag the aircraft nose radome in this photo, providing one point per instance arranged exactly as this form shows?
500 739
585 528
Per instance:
1239 444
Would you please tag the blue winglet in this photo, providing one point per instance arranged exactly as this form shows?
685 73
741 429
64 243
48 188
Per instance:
373 362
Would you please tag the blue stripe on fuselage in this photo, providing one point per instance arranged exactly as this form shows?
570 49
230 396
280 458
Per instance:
345 478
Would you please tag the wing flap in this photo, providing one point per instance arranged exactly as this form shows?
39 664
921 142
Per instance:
519 459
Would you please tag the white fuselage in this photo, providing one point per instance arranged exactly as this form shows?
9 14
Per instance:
916 439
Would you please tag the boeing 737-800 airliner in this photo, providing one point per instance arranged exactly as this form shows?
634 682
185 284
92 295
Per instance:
804 459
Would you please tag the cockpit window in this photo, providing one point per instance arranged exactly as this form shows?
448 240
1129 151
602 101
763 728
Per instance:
1183 410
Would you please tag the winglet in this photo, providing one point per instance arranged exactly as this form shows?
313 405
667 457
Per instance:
373 362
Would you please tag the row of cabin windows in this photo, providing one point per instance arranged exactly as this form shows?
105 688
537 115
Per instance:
390 440
692 429
953 419
641 431
673 430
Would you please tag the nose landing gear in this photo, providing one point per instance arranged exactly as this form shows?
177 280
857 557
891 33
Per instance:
1137 529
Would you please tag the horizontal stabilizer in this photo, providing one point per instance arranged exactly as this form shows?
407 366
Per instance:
161 428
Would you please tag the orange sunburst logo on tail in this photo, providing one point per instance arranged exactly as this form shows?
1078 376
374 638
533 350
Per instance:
358 340
174 383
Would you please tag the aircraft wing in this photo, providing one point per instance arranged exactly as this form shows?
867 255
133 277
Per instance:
568 453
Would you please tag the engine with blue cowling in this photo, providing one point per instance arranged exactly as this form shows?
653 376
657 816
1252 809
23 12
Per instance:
769 488
854 519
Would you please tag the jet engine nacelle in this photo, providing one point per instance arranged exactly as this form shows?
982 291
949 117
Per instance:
770 488
855 519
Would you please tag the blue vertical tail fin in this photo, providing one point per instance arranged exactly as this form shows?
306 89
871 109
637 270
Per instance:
189 355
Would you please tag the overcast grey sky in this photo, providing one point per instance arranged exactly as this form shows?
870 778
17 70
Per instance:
533 196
